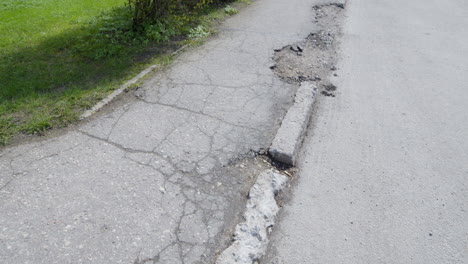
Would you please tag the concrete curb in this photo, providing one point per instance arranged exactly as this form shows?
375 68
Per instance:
124 87
251 236
290 135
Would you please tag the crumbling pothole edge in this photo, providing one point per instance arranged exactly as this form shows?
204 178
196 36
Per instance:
251 236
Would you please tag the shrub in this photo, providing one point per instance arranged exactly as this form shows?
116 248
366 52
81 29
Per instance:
159 31
146 11
149 11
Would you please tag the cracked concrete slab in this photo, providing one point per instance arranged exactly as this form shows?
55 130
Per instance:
157 180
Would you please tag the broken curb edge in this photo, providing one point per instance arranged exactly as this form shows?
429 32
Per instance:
291 133
251 236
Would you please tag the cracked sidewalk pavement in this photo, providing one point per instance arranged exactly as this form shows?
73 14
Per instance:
161 179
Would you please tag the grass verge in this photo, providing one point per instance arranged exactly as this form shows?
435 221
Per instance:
60 57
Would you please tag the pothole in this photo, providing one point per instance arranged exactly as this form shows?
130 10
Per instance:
314 58
310 60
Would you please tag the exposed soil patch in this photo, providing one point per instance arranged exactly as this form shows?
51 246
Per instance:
314 58
308 60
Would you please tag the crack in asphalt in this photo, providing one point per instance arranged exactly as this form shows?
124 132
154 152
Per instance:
166 174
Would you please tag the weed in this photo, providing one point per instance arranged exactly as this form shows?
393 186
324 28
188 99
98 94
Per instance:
198 32
230 10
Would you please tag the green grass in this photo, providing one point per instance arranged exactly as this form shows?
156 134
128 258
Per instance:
38 37
47 75
59 57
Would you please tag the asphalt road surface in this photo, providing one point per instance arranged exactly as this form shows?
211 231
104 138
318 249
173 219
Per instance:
161 174
384 173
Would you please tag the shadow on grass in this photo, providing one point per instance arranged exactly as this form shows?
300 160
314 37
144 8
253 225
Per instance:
85 56
48 84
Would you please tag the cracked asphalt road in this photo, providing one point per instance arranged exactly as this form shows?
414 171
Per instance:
161 179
